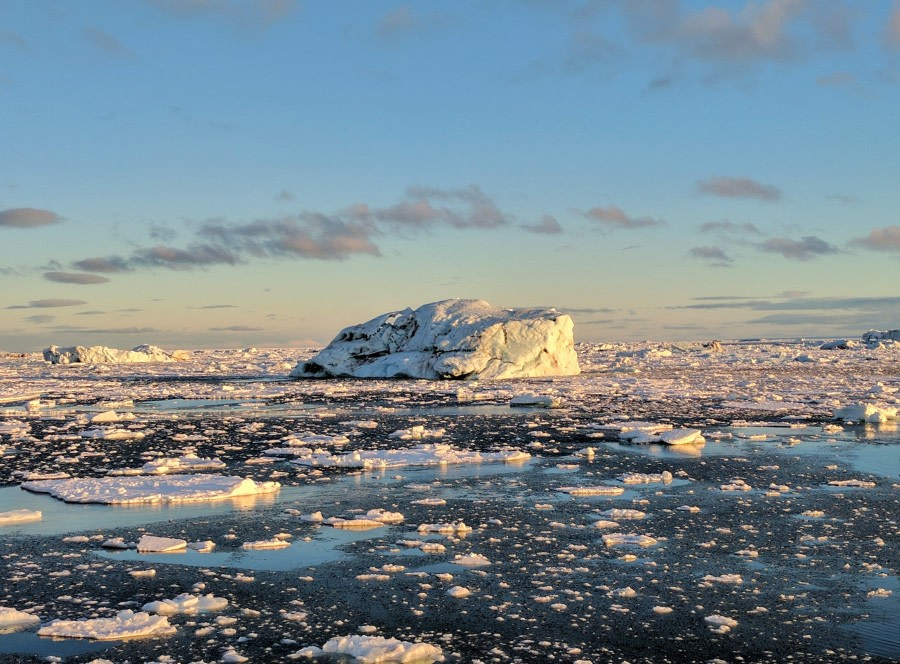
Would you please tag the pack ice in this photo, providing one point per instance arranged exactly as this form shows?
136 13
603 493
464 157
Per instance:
462 339
104 355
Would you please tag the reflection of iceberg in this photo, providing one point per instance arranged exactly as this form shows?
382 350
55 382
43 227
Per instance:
686 450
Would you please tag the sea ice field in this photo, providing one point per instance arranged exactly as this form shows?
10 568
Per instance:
673 502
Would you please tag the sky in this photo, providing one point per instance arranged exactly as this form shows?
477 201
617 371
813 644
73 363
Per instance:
234 173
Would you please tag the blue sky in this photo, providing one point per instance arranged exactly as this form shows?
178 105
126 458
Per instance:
221 173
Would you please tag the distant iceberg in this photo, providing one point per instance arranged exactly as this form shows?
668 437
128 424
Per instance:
464 339
104 355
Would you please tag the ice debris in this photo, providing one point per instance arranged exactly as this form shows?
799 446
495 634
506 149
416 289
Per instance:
104 355
125 625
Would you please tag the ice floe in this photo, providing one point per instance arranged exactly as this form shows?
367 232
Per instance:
152 489
451 339
10 617
374 649
154 544
126 624
12 517
186 603
189 463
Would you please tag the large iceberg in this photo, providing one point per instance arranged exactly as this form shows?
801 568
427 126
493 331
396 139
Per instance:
464 339
104 355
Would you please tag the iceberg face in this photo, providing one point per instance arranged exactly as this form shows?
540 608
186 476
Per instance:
104 355
463 339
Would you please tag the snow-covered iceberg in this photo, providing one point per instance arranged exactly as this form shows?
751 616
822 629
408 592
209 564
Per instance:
451 339
104 355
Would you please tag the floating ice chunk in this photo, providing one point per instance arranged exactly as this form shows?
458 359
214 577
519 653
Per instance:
603 523
274 543
104 355
646 478
142 573
681 437
154 544
445 528
418 432
878 592
451 339
688 508
12 517
734 579
110 416
592 490
628 539
662 610
736 485
117 543
374 649
863 484
112 433
204 546
232 656
471 560
459 592
150 489
619 513
125 625
425 547
428 454
10 617
186 603
866 412
720 624
183 464
529 400
430 501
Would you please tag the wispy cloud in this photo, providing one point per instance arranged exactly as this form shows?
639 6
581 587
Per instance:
27 218
880 239
547 225
738 187
730 227
75 278
870 303
40 319
612 217
714 254
804 249
49 303
237 328
423 207
107 44
107 265
216 306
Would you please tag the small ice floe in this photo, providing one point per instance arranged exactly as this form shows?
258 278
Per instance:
688 508
866 412
646 478
878 592
736 484
813 514
143 573
117 543
603 523
529 400
662 610
861 484
375 518
110 416
373 649
425 547
125 625
12 517
232 656
186 603
628 539
430 501
150 489
592 490
471 560
274 543
734 579
204 546
720 624
189 463
459 592
154 544
429 454
418 432
621 513
112 433
456 528
10 617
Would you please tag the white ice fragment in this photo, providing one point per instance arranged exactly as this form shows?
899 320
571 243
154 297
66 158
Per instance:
736 485
451 339
621 513
536 401
104 355
734 579
232 656
12 517
150 489
471 560
459 592
274 543
125 625
186 603
10 617
646 478
153 544
863 484
592 490
866 412
628 539
373 649
428 454
720 624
